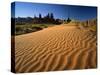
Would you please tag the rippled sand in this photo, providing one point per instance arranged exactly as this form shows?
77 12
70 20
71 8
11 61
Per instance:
63 47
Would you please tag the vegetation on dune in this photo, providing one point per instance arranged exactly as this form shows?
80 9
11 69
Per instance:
94 25
90 24
93 28
22 29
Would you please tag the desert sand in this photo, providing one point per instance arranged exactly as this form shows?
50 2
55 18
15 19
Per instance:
62 47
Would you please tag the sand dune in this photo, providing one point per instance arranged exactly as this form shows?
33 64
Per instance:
56 48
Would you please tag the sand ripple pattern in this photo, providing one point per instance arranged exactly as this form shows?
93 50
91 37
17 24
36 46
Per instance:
57 48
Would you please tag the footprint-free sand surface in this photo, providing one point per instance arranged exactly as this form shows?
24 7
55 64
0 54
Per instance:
63 47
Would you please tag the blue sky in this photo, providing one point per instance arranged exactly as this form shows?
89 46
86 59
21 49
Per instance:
24 9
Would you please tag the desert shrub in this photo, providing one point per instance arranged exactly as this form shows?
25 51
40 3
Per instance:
93 28
28 30
37 28
19 29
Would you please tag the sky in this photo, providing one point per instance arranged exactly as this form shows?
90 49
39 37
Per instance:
26 9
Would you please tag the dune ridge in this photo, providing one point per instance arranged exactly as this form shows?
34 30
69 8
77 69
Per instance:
63 47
